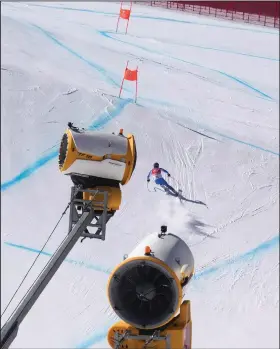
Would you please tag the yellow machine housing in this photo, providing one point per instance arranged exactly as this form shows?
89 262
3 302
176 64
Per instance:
146 289
177 334
98 154
114 198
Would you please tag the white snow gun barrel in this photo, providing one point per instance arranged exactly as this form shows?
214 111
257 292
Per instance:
97 163
98 154
98 160
146 292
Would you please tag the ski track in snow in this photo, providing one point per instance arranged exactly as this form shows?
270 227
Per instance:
189 155
157 19
192 161
45 159
236 79
97 124
203 272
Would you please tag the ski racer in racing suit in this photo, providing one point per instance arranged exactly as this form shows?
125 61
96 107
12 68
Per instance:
156 174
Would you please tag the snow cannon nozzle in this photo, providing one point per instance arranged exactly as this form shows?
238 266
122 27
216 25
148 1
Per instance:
163 231
104 159
158 281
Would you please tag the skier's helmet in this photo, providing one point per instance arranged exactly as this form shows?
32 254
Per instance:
156 165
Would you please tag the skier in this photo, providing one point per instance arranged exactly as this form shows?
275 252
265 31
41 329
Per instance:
156 174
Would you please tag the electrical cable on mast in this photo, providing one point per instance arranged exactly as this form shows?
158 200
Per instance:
32 265
98 163
146 289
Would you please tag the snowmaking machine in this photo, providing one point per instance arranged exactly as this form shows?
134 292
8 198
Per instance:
97 164
146 289
146 293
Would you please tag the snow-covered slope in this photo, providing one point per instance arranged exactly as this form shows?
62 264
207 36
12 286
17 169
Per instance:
207 111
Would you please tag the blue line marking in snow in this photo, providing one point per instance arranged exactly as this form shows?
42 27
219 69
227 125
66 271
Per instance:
46 158
104 118
114 14
254 252
229 51
225 74
97 67
203 48
67 260
205 128
97 337
29 170
41 162
244 83
97 124
247 256
243 142
94 65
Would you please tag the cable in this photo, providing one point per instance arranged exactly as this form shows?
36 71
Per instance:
32 265
86 206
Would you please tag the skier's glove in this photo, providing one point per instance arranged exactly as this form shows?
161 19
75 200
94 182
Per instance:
169 175
148 180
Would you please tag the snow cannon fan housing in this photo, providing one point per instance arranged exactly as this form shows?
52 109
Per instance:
97 154
146 289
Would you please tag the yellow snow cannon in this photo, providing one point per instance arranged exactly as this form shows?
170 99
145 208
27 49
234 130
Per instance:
146 293
98 160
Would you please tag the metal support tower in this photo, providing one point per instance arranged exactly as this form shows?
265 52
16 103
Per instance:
81 222
101 217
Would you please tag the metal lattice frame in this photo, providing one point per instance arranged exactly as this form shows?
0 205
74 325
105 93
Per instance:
101 216
78 225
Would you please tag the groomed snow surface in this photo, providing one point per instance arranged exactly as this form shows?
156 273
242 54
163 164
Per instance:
208 112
